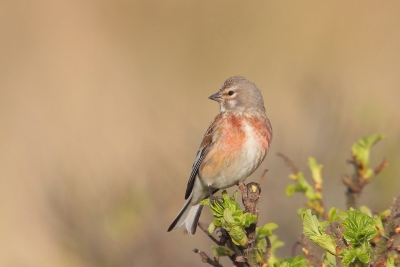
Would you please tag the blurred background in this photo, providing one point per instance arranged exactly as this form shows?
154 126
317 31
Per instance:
103 105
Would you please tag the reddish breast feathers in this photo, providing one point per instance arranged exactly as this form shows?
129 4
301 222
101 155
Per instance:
233 134
262 129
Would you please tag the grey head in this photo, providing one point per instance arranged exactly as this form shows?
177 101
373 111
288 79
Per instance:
237 94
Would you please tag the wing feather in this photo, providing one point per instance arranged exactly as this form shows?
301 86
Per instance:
205 146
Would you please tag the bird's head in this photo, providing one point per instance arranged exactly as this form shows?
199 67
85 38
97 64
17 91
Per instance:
238 94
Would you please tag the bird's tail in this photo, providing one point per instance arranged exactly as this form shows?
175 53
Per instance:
189 215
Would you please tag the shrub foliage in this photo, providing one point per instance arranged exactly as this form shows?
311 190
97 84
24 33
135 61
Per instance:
353 237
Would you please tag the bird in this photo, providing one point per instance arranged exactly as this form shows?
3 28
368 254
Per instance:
233 147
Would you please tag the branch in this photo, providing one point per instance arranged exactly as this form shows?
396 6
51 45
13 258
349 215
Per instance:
386 242
309 252
206 259
209 235
268 249
380 167
237 258
357 181
224 237
337 231
262 176
288 162
294 247
250 196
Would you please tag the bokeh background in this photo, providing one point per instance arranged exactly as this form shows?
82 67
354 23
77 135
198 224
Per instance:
103 105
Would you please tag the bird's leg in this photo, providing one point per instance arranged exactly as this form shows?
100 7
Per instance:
212 197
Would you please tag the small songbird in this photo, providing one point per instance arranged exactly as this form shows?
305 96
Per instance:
233 147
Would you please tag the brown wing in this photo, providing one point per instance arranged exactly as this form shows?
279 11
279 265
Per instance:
205 146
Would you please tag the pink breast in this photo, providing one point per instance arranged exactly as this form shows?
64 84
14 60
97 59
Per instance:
262 129
232 134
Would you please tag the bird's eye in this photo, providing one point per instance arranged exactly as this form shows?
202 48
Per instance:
230 93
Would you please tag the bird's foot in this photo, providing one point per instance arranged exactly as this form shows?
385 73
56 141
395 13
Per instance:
213 198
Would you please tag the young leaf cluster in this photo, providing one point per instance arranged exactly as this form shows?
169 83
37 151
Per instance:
261 242
360 152
358 230
298 261
313 194
315 230
229 215
363 174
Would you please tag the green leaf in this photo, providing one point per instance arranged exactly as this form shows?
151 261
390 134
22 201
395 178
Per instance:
301 186
342 214
228 217
225 195
298 261
384 213
211 228
348 256
360 152
326 242
366 210
238 236
205 202
329 260
247 219
333 217
260 250
315 170
362 255
259 255
323 225
291 189
359 228
310 224
379 224
302 181
390 262
266 230
312 228
275 243
217 208
222 251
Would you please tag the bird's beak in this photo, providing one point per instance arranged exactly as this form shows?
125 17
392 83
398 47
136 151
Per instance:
216 97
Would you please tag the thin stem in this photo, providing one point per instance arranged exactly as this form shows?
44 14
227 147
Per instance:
209 235
206 259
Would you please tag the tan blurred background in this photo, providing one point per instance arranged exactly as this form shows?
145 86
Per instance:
103 105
